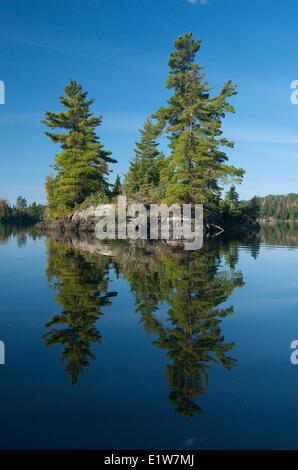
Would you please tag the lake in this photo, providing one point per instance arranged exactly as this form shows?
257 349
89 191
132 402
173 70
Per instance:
146 346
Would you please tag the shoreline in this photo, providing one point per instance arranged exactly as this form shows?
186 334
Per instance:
84 222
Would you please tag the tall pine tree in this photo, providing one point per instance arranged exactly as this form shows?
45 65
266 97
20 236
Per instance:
82 165
193 120
144 171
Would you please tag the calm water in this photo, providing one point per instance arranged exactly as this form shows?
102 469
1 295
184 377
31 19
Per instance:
118 347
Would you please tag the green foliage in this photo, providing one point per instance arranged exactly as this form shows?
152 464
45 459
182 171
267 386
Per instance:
21 203
82 165
196 168
230 205
232 197
193 120
116 187
251 208
281 207
145 168
94 199
237 210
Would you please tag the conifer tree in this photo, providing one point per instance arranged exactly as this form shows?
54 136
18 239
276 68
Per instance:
116 186
193 121
232 198
21 203
144 169
251 208
82 165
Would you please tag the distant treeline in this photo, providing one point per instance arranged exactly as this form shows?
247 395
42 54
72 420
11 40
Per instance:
21 212
281 207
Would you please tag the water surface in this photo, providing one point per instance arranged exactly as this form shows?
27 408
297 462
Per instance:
148 347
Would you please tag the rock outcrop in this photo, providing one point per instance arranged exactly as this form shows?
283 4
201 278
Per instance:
84 221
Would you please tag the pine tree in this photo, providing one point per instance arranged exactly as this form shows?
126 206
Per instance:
5 209
193 122
232 197
253 207
144 169
21 203
116 186
82 165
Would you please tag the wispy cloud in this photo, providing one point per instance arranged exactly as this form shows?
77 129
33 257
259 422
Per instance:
91 50
22 119
253 135
28 42
202 2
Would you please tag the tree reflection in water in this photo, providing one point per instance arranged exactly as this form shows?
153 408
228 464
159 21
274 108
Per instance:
82 287
193 286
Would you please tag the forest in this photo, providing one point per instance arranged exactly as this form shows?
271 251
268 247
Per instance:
280 207
21 212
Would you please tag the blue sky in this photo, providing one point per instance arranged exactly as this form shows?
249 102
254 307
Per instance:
119 51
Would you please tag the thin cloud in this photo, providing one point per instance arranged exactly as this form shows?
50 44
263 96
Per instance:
22 119
202 2
92 50
260 135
